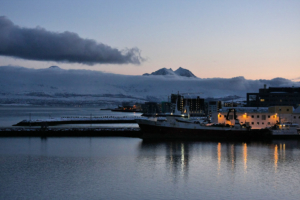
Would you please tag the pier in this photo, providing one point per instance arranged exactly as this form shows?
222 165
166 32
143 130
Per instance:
79 120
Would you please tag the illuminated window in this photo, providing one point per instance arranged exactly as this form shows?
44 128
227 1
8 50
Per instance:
262 100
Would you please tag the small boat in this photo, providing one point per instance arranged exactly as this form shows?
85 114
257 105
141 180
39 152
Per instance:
285 130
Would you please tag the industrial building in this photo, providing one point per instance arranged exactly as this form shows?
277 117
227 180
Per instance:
274 96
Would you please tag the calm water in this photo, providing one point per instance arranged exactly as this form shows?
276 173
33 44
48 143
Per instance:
128 168
125 168
10 115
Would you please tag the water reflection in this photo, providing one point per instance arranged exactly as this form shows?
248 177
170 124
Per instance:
245 155
275 157
232 155
179 157
176 156
219 156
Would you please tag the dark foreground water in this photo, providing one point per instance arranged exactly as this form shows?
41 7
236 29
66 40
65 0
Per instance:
127 168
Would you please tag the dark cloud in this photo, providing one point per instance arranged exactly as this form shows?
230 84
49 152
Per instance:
40 44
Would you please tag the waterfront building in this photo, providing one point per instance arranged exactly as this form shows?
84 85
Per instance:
274 96
195 103
258 118
151 108
167 107
212 107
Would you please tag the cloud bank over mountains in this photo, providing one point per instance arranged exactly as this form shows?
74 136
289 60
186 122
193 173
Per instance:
19 85
43 45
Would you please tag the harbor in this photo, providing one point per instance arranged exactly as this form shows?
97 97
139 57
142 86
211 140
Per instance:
174 126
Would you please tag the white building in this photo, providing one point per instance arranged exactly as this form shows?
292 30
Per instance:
258 118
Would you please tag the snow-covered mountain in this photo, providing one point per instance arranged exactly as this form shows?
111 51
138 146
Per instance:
167 72
55 86
184 72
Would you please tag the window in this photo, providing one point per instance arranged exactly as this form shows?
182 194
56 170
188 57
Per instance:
257 116
268 116
225 115
262 123
287 109
252 116
294 117
263 117
257 122
252 122
269 123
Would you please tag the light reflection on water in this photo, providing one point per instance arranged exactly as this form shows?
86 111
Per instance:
245 156
118 168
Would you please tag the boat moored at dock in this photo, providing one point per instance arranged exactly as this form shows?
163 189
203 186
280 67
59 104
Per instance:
287 130
182 127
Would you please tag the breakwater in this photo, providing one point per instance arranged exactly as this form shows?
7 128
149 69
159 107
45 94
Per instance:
70 132
79 120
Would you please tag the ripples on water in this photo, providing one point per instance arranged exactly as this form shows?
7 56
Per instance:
126 168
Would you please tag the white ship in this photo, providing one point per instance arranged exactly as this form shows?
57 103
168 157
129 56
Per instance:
181 126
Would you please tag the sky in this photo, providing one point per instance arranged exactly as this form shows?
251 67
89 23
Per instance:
257 39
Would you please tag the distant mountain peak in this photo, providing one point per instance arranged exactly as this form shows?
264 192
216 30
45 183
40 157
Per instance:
167 72
184 72
162 71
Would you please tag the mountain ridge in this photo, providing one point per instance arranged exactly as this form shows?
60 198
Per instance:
169 72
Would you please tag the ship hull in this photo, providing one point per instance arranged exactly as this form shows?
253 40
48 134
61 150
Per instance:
152 132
